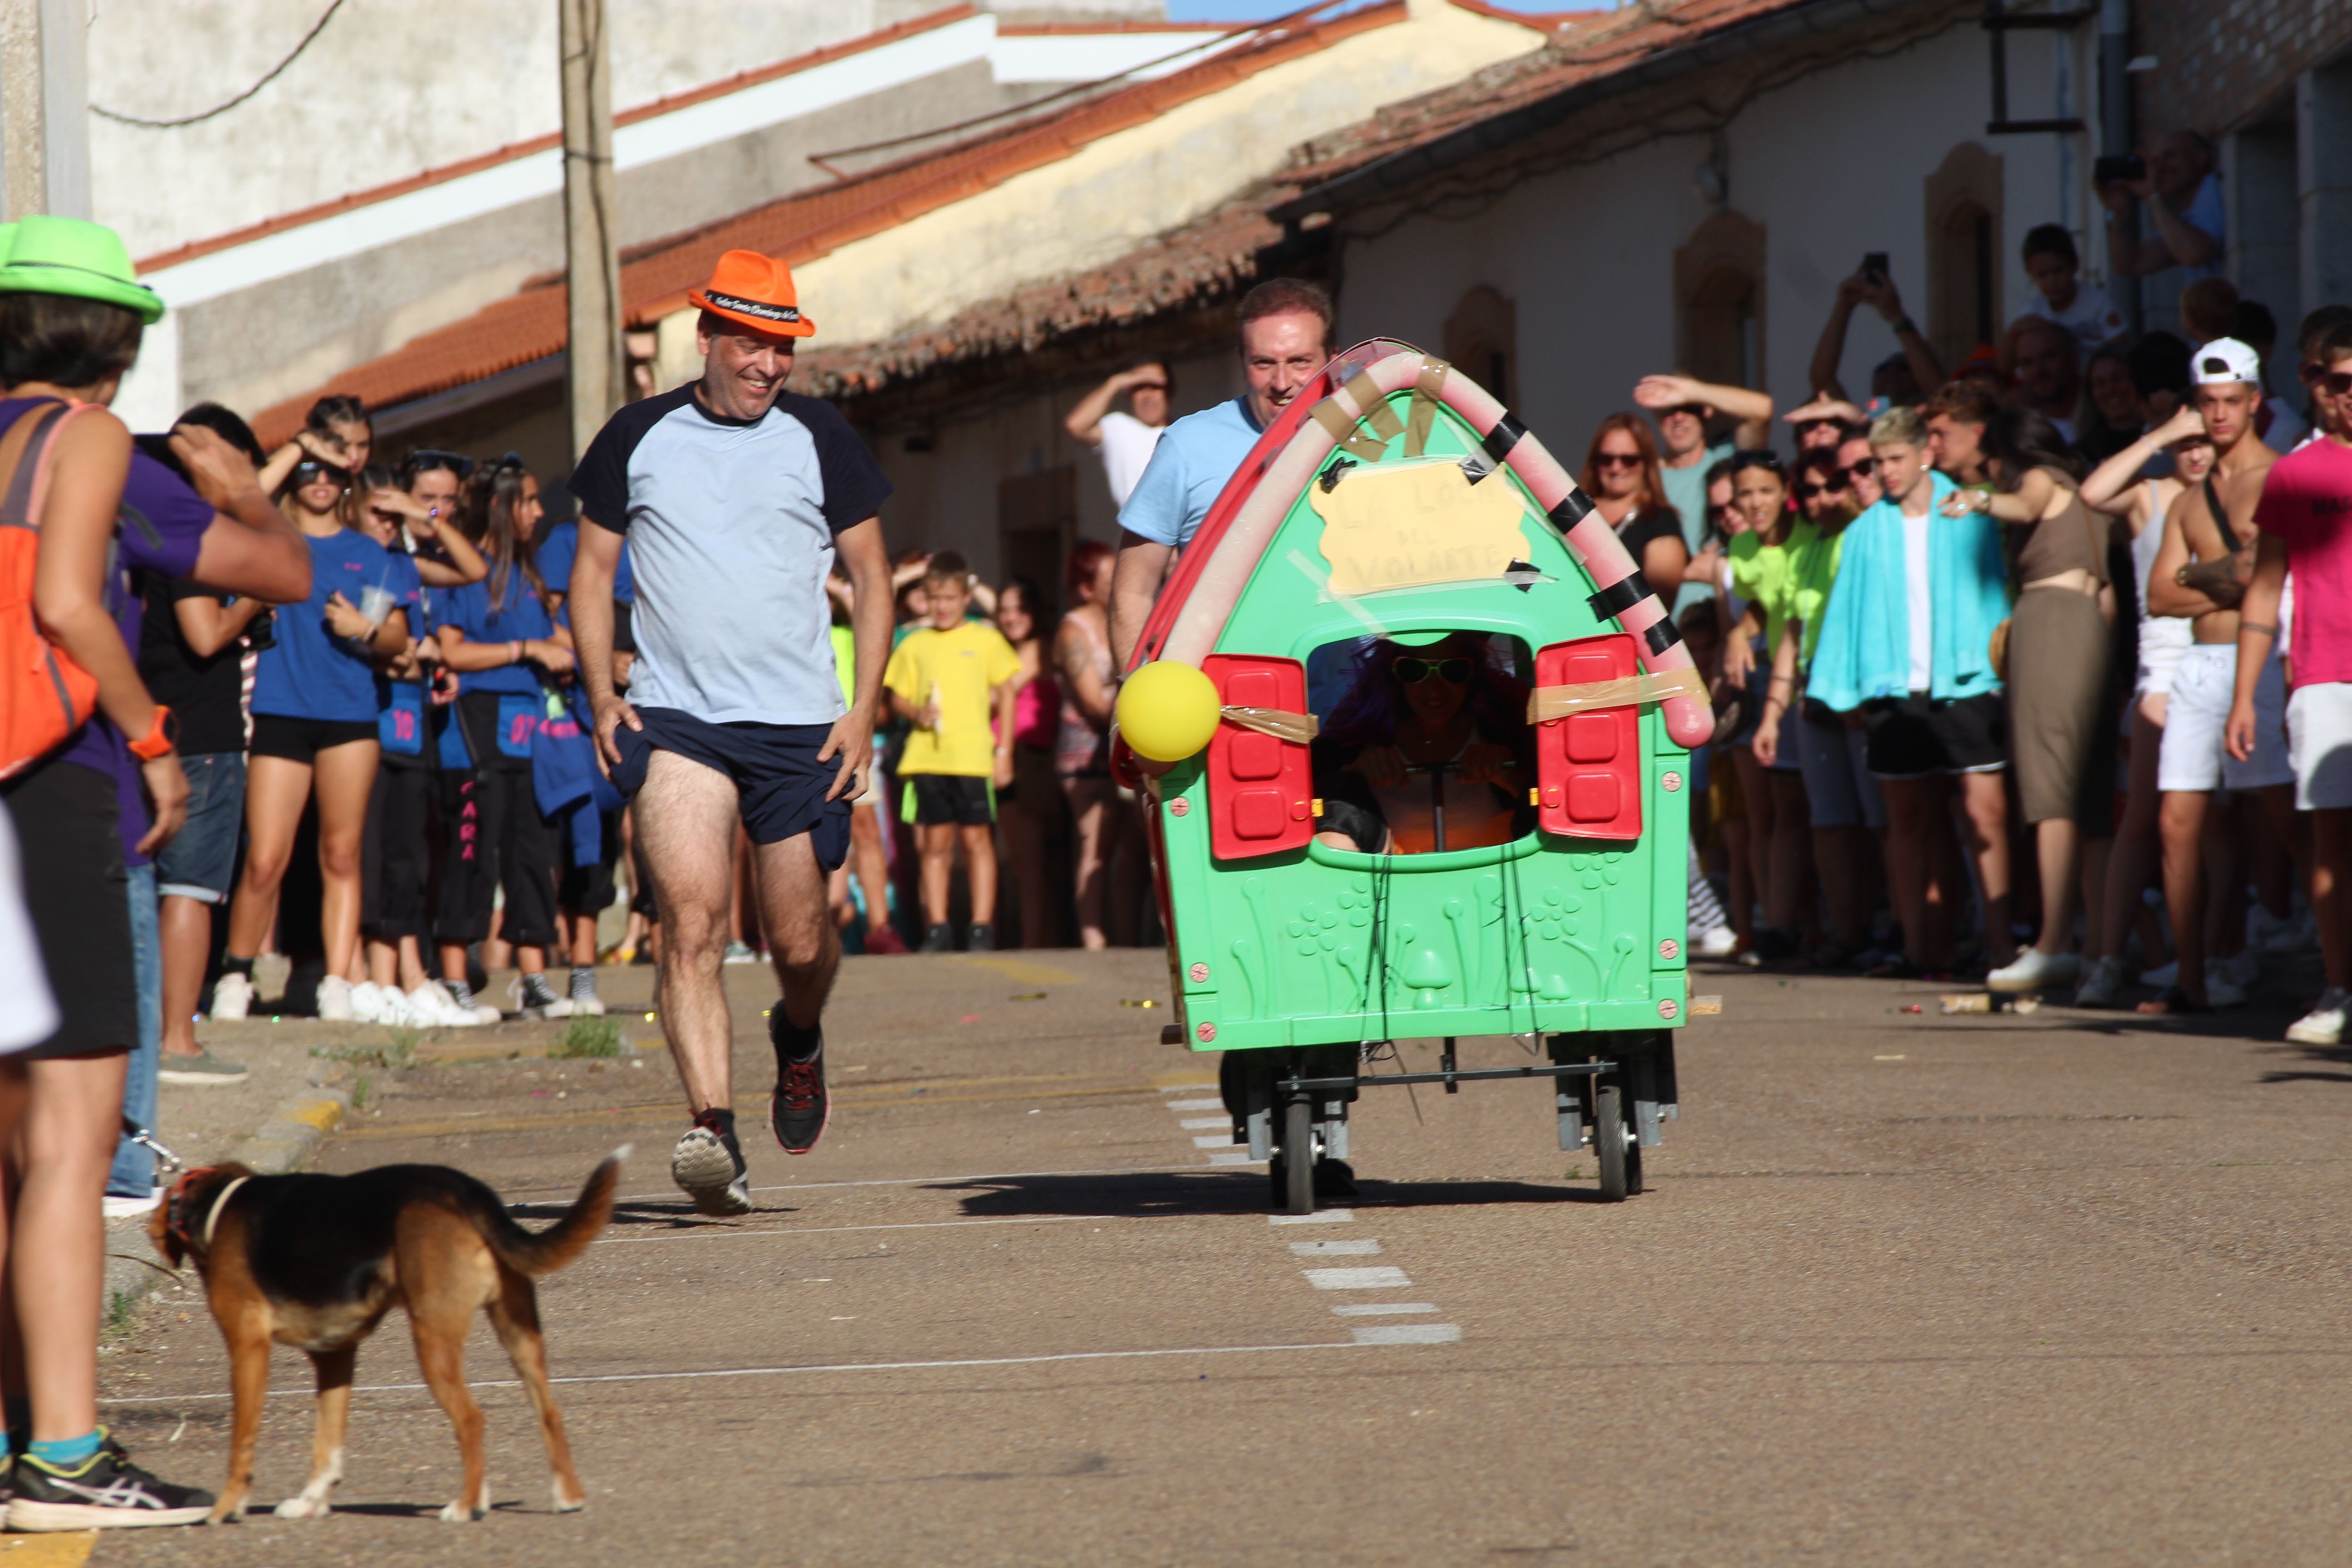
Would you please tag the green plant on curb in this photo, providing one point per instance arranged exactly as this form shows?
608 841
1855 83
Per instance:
119 1305
360 1092
397 1052
590 1038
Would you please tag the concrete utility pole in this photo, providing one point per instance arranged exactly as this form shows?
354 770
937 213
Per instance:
595 369
43 108
2116 135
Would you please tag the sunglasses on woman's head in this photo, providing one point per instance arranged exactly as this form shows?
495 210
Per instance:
1410 671
1756 460
430 457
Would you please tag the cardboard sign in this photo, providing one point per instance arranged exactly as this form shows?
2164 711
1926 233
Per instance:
1405 525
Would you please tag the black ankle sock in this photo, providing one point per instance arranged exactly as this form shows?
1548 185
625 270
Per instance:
237 966
719 1119
792 1043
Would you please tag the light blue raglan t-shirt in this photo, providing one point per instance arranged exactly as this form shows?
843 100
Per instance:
1195 456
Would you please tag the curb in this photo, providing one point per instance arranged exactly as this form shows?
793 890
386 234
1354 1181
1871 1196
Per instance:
282 1143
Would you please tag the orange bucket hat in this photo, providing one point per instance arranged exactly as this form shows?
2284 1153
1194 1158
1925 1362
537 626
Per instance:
755 291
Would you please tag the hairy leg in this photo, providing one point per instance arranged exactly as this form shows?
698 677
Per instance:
801 942
685 824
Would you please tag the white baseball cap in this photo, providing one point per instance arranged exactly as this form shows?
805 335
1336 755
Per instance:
2226 360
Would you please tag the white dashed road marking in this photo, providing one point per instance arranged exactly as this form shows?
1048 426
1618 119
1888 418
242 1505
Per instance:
1320 1216
1381 1308
1196 1105
1357 1279
1193 1123
1363 1249
1408 1334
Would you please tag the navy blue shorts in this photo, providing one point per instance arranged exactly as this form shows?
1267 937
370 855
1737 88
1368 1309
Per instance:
779 784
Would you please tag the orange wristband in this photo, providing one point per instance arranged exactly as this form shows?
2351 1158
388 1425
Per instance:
160 738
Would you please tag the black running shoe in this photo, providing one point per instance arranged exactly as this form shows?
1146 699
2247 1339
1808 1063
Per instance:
939 938
981 939
105 1491
800 1108
708 1163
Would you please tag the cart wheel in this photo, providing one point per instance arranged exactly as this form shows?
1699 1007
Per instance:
1612 1144
1297 1162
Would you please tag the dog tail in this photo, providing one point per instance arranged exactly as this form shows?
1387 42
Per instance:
544 1252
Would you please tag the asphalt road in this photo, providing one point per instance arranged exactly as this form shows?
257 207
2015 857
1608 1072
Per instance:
1906 1289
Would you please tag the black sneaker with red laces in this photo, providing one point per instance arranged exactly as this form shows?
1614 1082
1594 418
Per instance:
799 1108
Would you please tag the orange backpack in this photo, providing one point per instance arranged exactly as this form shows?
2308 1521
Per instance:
44 696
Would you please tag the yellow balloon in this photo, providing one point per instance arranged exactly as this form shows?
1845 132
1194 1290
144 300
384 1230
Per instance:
1168 709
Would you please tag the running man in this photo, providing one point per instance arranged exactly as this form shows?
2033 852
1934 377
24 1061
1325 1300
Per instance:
735 497
1285 337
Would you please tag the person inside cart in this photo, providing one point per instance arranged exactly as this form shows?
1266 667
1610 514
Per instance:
1420 725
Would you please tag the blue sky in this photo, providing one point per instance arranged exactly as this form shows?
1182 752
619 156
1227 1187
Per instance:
1259 10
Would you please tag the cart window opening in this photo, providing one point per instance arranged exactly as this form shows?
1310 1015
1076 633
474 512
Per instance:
1423 746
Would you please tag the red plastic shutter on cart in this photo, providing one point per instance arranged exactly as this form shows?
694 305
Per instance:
1589 765
1261 789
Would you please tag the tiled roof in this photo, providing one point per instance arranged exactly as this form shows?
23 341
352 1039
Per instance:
1608 50
532 324
1205 261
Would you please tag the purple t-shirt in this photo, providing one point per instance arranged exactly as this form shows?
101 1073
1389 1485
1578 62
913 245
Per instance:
161 528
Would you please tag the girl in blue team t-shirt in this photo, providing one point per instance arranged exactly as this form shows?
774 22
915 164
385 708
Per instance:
498 636
314 724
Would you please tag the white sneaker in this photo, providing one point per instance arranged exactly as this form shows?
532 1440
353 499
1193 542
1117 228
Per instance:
1715 944
2324 1025
335 1000
465 1016
367 1004
2034 970
2221 989
123 1208
232 996
428 1006
2162 975
2104 984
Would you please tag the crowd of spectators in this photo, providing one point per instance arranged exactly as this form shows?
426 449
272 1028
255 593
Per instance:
2001 668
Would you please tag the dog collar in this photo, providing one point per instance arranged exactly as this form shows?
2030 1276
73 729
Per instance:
212 1216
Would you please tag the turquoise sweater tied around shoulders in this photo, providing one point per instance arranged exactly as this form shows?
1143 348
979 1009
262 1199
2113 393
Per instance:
1865 644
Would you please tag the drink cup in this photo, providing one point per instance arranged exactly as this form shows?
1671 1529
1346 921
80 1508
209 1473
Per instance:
375 604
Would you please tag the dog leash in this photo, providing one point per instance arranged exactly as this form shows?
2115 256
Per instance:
139 1135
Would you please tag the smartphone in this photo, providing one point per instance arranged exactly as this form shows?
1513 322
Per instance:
1874 266
2116 167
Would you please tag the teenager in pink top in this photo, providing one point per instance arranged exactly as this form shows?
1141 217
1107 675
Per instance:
2305 518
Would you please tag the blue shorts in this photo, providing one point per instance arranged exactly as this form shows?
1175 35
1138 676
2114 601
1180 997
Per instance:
779 784
201 858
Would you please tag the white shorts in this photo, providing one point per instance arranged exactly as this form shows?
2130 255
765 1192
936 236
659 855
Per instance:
2319 740
2198 711
2162 640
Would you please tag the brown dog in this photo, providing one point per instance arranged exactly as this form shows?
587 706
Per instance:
317 1261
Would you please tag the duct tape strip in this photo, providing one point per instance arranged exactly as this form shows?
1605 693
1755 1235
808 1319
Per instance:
1504 435
1342 431
1619 596
1662 635
1571 510
1425 399
1548 702
1297 728
1377 415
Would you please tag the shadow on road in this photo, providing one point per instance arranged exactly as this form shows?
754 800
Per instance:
1148 1193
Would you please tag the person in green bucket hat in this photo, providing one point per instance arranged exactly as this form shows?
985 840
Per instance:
71 316
71 255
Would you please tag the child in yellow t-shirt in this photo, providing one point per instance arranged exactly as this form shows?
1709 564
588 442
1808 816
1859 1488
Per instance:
953 681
